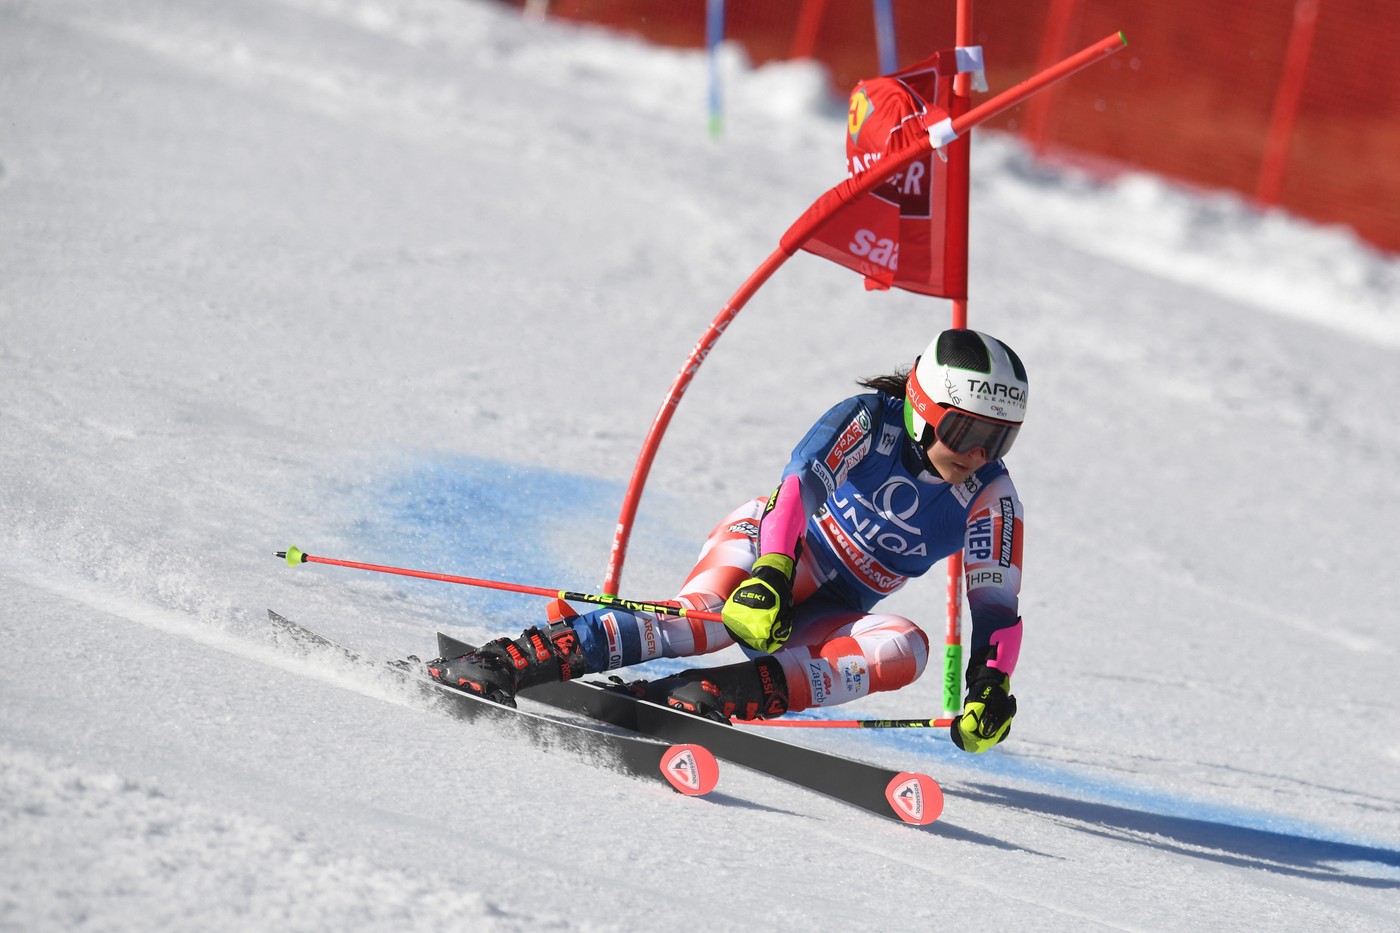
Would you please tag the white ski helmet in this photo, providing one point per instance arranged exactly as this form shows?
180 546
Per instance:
968 390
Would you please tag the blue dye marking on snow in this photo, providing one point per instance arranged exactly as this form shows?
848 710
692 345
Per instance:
493 520
487 519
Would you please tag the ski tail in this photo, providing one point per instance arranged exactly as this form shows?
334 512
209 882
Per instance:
691 769
915 798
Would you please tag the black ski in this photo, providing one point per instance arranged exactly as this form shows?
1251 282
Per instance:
688 767
902 795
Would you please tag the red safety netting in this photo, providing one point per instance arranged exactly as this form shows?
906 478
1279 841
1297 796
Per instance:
1198 95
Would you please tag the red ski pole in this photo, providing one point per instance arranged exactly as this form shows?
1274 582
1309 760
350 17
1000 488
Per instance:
848 723
295 556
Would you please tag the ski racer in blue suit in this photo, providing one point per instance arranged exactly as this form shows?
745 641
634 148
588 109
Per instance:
882 487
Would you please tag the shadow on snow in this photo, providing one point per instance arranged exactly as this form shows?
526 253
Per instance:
1277 851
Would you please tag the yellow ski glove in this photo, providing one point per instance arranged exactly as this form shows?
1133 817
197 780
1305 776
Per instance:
759 612
987 711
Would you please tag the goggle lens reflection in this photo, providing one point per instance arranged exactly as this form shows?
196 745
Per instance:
962 432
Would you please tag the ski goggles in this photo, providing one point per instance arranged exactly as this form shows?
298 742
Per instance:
963 432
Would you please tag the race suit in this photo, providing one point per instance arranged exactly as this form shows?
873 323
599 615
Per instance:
872 515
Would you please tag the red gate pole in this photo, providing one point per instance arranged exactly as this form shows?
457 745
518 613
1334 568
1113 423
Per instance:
809 23
1040 112
1290 91
959 183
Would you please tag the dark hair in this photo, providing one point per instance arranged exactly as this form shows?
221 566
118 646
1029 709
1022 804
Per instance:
892 384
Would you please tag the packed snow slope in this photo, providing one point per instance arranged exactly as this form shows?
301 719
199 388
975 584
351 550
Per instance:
404 281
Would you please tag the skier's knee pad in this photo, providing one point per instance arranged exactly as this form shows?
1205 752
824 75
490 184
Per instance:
877 653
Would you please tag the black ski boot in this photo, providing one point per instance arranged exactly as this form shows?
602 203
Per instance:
748 690
499 669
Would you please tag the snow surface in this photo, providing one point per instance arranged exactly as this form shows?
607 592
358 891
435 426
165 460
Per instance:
403 281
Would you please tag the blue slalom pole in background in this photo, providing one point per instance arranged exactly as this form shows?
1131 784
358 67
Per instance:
714 35
884 36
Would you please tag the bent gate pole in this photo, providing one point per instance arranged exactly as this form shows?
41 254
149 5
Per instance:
822 210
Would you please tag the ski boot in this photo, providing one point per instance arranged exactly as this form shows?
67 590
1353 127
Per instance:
754 689
499 669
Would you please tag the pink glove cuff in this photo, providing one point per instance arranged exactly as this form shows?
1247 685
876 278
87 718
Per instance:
784 521
1008 645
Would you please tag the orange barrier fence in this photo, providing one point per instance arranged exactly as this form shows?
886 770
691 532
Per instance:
1294 103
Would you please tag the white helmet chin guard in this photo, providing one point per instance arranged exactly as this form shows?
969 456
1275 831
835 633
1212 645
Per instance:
968 371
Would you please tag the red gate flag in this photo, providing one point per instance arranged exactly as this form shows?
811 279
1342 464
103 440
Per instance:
908 232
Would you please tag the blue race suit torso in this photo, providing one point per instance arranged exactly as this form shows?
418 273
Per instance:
878 516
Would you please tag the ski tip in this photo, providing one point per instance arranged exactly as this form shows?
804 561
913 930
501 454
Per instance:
690 769
915 798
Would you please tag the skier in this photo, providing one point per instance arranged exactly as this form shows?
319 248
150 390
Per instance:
881 488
